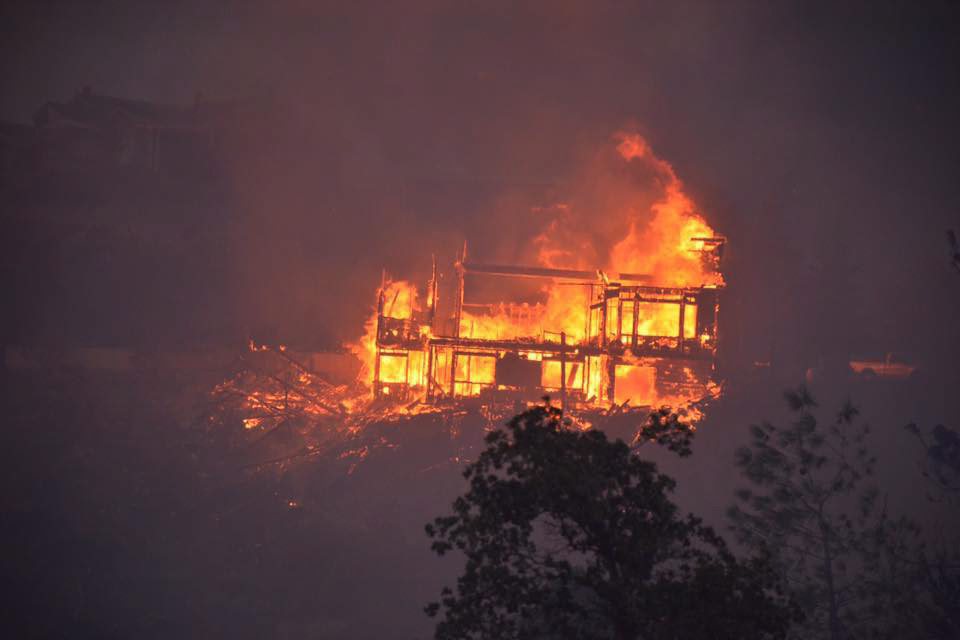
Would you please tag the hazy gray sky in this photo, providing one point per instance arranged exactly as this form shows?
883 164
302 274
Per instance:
809 133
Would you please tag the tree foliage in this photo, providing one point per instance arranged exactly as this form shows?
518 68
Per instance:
668 428
814 508
939 562
941 463
568 535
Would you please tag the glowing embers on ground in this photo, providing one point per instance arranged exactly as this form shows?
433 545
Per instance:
272 386
289 411
289 414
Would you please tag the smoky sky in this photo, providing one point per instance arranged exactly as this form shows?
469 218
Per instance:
821 139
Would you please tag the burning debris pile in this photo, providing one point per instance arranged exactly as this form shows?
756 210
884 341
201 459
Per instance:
275 393
612 321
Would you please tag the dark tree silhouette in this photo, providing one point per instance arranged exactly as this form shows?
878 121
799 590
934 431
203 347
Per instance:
941 463
954 249
938 563
667 428
568 535
814 509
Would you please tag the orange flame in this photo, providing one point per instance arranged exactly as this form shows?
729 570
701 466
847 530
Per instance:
400 300
657 242
653 230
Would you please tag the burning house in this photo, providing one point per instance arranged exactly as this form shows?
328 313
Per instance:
609 317
596 339
621 314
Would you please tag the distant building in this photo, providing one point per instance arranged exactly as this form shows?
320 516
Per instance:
104 130
115 221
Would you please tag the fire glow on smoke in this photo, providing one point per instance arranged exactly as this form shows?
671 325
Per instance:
640 223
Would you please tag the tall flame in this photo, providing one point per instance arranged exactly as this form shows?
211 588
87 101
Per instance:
400 300
657 240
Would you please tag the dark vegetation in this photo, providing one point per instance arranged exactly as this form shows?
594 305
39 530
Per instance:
128 514
569 535
814 506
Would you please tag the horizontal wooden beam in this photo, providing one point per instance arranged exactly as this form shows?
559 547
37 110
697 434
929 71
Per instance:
585 276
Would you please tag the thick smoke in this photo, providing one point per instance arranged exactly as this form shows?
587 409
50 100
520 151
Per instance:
820 138
627 213
388 132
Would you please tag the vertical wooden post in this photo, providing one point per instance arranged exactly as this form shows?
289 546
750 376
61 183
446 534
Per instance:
683 314
563 370
619 317
376 344
457 318
458 309
603 316
611 378
429 396
589 314
716 323
432 293
453 372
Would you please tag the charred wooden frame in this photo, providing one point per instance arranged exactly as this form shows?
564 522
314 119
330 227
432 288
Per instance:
448 363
